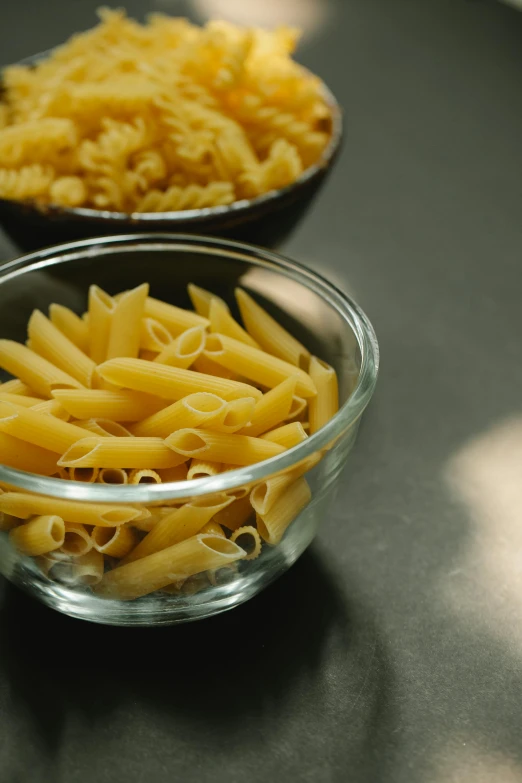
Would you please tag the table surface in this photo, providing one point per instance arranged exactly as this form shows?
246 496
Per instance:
393 650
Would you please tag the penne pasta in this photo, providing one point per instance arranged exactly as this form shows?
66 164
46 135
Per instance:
17 387
101 309
34 370
201 299
77 540
71 325
51 408
271 409
20 399
326 404
236 514
24 505
112 452
248 539
85 475
200 468
125 323
205 365
196 554
144 476
270 335
222 322
179 473
195 409
114 541
256 365
172 383
288 435
266 493
114 405
272 524
184 350
41 535
154 337
109 475
213 529
297 408
221 447
174 318
37 428
48 341
88 569
104 428
234 417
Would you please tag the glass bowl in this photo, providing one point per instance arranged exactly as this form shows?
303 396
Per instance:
322 317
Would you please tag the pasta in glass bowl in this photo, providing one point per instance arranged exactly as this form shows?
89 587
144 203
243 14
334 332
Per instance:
175 485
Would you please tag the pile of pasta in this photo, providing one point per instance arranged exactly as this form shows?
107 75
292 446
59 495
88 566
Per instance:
141 391
160 117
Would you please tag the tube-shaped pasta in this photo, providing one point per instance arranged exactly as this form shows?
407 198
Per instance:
179 473
115 541
17 387
271 409
25 456
20 399
265 494
38 428
174 318
326 404
236 415
273 524
144 476
200 468
77 540
8 522
194 409
113 452
153 336
101 309
222 322
221 447
201 299
297 408
71 325
248 539
110 475
104 428
51 408
270 335
23 505
88 569
48 341
114 405
182 523
125 323
213 529
256 365
235 515
205 365
196 554
288 435
85 475
185 349
42 534
34 370
172 383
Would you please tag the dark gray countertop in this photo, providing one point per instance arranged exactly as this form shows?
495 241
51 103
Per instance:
393 650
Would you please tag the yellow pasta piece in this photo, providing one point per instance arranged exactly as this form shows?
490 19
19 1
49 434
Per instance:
125 323
77 540
213 529
110 475
18 454
273 523
185 349
197 554
154 337
205 365
38 428
271 409
24 505
193 409
101 309
326 404
114 405
172 383
256 365
88 569
248 539
174 318
113 452
20 399
8 522
17 387
42 534
201 299
85 475
235 515
222 322
182 523
114 541
104 428
270 335
179 473
221 447
34 370
234 417
48 341
297 408
51 408
288 435
71 325
200 468
144 476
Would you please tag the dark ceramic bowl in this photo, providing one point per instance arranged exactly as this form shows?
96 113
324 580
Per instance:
266 220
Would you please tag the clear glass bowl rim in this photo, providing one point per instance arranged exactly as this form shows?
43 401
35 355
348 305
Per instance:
347 415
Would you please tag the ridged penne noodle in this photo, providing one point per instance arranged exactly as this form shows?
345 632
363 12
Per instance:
24 505
88 569
17 387
222 322
272 409
104 428
154 337
182 523
34 370
174 318
113 452
326 404
256 365
115 541
77 540
288 435
236 514
266 493
270 335
71 325
51 408
114 405
273 524
194 409
125 323
201 299
297 408
248 539
39 429
101 309
221 447
109 475
213 529
20 399
48 341
200 468
144 476
25 456
179 473
144 576
172 383
205 365
41 535
183 350
85 475
234 417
